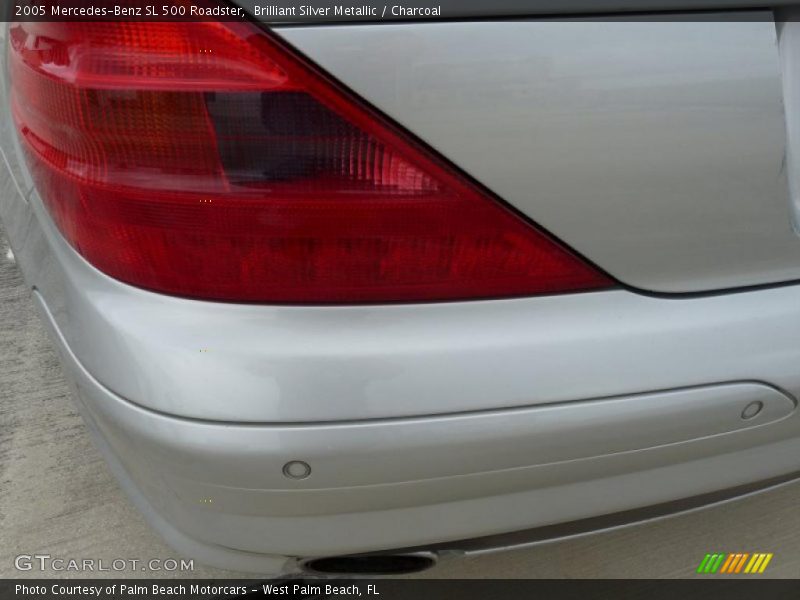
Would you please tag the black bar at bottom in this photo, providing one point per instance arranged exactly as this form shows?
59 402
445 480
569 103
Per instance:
709 588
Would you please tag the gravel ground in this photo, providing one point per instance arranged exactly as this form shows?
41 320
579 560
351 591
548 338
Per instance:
57 497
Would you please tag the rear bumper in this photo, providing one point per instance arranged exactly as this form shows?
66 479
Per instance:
216 491
413 482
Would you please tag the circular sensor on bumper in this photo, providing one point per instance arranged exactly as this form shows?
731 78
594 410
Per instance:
752 410
296 469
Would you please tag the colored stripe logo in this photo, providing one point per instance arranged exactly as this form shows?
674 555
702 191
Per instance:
736 562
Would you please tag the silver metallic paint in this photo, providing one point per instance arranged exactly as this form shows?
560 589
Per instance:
174 466
789 38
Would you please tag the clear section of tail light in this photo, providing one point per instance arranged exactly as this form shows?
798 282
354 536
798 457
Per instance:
207 160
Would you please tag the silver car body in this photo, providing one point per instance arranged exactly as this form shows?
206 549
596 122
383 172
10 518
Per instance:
663 150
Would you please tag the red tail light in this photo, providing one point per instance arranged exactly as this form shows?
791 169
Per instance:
206 160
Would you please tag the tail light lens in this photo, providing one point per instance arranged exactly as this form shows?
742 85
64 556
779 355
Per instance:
206 160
